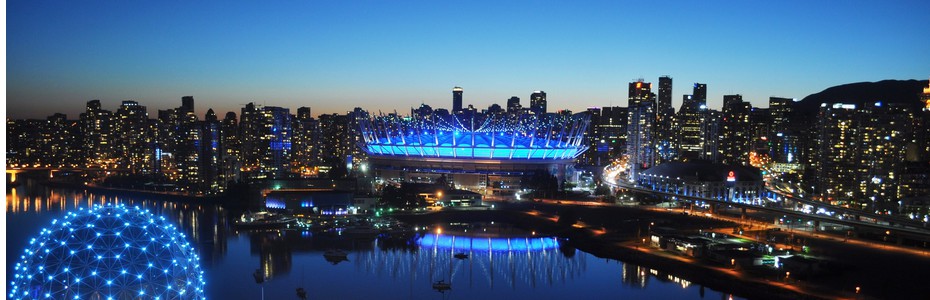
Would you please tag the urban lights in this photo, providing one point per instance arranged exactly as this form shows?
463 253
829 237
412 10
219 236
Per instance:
108 252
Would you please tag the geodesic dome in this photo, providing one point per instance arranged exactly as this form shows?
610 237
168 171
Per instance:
108 252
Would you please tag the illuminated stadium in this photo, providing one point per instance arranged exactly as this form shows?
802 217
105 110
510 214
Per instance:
108 252
482 152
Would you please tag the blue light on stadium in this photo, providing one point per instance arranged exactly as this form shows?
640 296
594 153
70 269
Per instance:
446 241
108 252
484 136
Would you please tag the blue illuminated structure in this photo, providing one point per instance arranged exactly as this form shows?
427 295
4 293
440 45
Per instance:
488 153
491 244
108 252
482 136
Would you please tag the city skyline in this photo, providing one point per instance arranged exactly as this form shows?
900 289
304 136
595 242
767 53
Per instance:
385 56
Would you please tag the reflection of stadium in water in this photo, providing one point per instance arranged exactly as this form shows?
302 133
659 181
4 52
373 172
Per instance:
530 260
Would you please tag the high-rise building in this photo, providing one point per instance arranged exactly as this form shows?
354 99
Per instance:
333 151
838 146
266 141
612 128
641 128
592 156
735 131
97 125
457 99
884 131
783 140
231 165
187 147
665 113
700 92
306 139
710 134
513 105
538 102
760 124
689 124
134 143
211 155
187 104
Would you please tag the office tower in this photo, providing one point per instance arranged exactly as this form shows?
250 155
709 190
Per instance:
134 144
612 127
838 145
885 129
187 104
760 124
265 133
690 119
333 129
783 140
735 130
596 154
97 125
710 135
640 130
665 113
513 105
457 99
277 160
538 102
306 137
211 181
231 146
700 92
186 150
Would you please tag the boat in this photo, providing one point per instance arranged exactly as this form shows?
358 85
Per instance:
442 286
301 293
264 220
461 255
335 256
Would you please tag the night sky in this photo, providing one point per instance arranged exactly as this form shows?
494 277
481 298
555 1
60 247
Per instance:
387 55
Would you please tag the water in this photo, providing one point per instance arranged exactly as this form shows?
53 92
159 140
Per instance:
532 268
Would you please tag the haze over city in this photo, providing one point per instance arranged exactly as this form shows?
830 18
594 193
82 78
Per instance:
334 56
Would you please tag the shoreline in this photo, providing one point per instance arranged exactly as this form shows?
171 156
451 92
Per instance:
622 248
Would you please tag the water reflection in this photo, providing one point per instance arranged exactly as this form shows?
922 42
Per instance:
501 265
33 205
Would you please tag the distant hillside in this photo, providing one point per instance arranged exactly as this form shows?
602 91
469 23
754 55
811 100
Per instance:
889 91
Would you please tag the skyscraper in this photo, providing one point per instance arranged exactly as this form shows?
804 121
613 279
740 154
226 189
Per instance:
98 140
700 92
306 139
735 130
134 143
837 148
690 119
665 145
211 155
187 104
784 141
231 149
266 141
640 130
513 105
710 135
457 99
538 102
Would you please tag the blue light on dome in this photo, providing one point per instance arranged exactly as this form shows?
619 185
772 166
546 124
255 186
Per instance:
110 251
